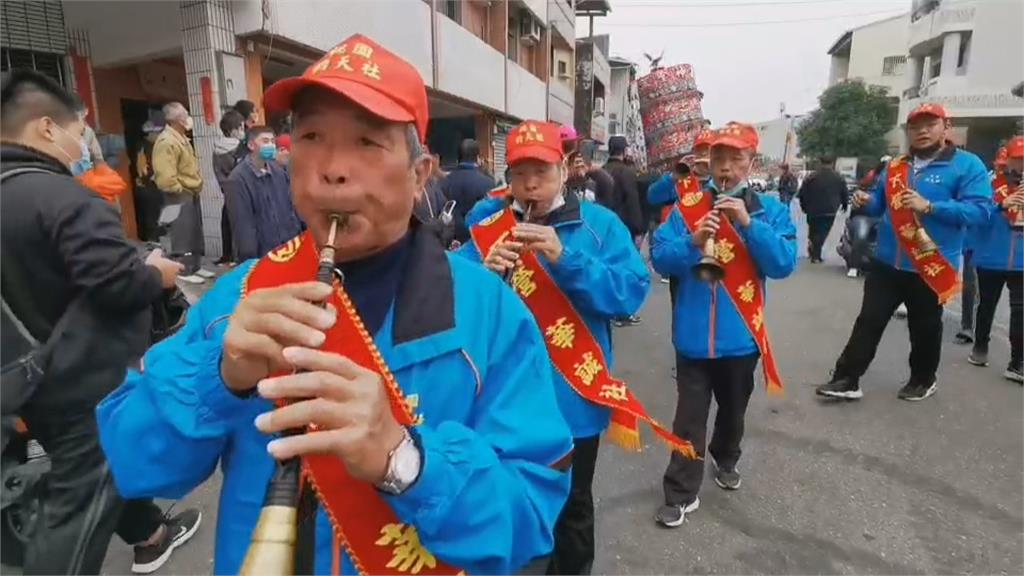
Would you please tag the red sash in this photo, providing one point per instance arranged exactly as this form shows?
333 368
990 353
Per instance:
1002 192
499 192
376 540
574 351
933 267
684 186
741 281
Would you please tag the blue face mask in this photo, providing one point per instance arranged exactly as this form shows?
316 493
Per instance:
268 151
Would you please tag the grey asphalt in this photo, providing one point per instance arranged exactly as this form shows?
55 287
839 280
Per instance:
879 486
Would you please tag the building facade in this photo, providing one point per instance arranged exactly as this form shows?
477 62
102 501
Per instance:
486 65
623 108
779 143
875 53
968 55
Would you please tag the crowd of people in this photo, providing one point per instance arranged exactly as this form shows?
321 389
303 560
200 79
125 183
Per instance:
454 375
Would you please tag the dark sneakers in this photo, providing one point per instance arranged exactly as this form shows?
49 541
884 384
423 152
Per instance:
844 387
179 530
727 478
673 516
978 356
1014 372
914 391
964 337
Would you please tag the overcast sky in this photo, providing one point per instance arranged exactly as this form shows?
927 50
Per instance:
745 71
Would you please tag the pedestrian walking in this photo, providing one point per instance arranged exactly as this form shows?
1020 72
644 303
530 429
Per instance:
596 274
927 200
787 185
468 476
720 333
258 195
822 195
176 174
73 282
627 200
999 257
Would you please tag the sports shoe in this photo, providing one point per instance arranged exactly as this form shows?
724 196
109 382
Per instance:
843 387
673 515
901 311
664 280
192 279
852 273
978 356
1013 372
727 478
634 320
180 529
964 337
203 272
914 392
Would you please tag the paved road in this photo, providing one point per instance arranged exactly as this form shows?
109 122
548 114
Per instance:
876 487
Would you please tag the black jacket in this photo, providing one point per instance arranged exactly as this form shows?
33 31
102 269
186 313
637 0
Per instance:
60 241
627 197
822 193
466 185
604 188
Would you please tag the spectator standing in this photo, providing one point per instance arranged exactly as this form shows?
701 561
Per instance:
259 199
466 185
148 200
787 185
627 199
225 158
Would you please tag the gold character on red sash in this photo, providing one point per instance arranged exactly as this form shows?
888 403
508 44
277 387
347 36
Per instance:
758 318
287 251
933 269
908 230
561 333
724 251
407 554
613 391
587 368
522 282
692 198
747 291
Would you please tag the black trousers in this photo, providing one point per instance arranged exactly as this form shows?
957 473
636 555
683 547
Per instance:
731 382
227 253
148 203
80 506
885 288
990 289
673 290
574 531
818 228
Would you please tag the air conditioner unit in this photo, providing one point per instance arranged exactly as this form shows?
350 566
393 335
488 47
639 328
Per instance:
529 30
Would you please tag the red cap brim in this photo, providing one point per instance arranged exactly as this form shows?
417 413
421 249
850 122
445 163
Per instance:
281 94
542 153
924 113
732 142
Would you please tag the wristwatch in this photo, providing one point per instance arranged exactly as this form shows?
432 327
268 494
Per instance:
405 462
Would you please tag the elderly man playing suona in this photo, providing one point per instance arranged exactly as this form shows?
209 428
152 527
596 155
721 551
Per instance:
737 238
433 437
576 267
927 200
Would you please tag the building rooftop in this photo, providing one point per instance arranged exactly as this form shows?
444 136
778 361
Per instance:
842 45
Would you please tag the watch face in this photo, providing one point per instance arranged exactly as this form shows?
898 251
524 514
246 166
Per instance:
407 463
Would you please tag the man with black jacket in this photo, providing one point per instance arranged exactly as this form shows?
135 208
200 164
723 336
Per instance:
466 185
821 196
64 252
627 198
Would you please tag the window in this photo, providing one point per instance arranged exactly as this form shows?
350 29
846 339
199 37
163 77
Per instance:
513 39
452 9
47 63
965 51
893 65
563 68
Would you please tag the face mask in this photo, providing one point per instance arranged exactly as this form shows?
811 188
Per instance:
83 164
238 134
188 123
268 151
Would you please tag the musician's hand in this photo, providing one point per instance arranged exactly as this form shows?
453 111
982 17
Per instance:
707 227
913 200
169 269
735 209
1016 199
346 403
860 199
265 322
503 256
542 239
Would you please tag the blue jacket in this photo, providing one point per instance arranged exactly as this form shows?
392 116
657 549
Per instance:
997 246
462 346
603 275
662 191
957 185
708 324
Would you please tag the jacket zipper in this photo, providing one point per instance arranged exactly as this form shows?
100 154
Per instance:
711 319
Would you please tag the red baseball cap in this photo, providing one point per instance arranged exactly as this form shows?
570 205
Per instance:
534 140
928 109
737 135
704 138
284 141
368 74
1015 147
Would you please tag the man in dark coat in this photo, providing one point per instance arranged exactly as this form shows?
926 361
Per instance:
821 196
466 185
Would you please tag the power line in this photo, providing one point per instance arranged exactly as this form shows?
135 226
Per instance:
677 4
747 23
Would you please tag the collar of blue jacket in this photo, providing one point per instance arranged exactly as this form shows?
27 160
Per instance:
472 365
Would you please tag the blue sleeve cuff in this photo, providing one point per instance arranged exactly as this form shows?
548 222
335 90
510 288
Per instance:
445 470
217 402
572 260
755 232
946 211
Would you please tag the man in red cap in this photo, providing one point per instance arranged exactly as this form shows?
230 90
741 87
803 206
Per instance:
433 437
927 200
999 258
722 242
576 267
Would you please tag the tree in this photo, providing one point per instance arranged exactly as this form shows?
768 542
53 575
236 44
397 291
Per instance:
851 120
